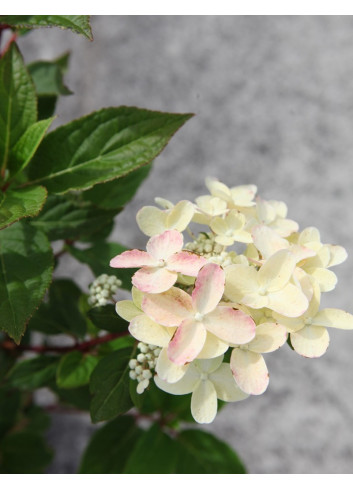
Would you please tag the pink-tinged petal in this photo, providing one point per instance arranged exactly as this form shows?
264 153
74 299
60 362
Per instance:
164 245
154 280
184 385
230 325
213 347
187 342
269 337
145 329
170 372
249 371
225 385
133 259
169 308
186 263
204 402
311 341
209 288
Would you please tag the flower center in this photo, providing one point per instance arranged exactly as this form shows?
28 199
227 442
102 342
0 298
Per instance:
199 316
204 376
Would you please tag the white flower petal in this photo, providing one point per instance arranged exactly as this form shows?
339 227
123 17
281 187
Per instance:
204 402
213 347
333 318
311 341
269 337
183 386
277 270
151 220
250 371
145 329
127 310
169 371
225 385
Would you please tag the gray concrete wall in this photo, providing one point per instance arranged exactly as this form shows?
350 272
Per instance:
274 104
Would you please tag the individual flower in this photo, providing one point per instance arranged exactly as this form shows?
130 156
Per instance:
208 207
267 287
152 220
161 263
197 315
230 229
207 380
247 363
308 334
272 213
240 196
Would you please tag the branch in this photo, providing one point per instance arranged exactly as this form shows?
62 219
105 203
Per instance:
84 346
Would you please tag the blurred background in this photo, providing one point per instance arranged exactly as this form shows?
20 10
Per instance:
273 98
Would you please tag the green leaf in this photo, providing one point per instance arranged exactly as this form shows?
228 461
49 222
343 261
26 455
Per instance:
27 145
110 447
105 317
202 453
117 344
102 146
18 107
9 405
117 192
26 264
77 23
24 453
98 257
79 397
61 314
37 420
110 386
33 373
69 218
154 453
48 80
17 204
75 369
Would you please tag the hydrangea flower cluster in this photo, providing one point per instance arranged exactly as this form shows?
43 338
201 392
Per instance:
210 309
103 289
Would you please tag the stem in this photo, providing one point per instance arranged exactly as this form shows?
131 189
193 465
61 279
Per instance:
8 44
84 346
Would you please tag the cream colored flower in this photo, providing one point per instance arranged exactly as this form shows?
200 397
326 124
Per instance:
230 229
152 220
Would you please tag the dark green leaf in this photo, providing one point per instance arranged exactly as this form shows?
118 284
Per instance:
37 420
77 23
46 106
9 405
33 373
17 204
110 386
119 192
26 264
117 344
48 78
61 314
27 145
154 453
105 317
75 369
80 397
202 453
98 257
69 218
24 453
110 447
102 146
18 107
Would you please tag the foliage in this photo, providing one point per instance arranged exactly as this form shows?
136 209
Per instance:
69 184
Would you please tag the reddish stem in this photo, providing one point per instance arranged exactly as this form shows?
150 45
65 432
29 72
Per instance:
84 346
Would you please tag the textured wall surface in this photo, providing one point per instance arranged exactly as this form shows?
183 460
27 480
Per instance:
274 104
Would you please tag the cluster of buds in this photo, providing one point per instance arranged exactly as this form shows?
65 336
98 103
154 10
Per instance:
142 367
213 311
103 289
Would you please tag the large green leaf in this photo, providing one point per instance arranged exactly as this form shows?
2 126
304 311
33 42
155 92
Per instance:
33 373
117 192
18 106
24 453
61 314
110 447
154 453
77 23
105 317
102 146
26 264
98 256
75 370
17 204
202 453
79 397
110 386
69 218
